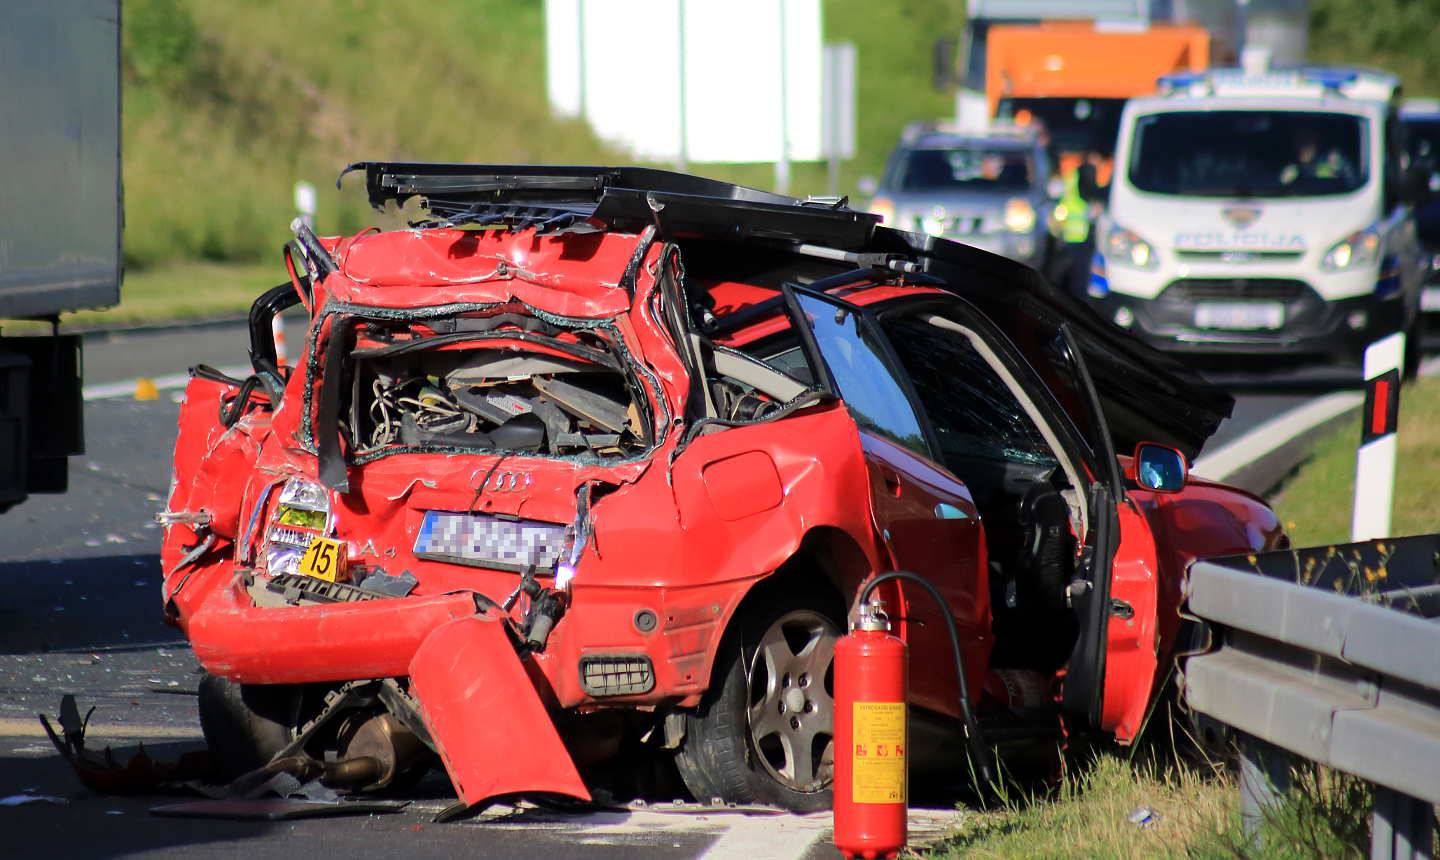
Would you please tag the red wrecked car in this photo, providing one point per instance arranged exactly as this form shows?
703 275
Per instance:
590 461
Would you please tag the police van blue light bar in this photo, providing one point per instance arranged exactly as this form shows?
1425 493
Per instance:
1330 79
1180 80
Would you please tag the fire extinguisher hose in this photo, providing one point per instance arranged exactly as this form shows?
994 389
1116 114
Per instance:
979 755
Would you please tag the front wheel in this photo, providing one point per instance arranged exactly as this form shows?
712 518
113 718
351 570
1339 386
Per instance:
765 732
246 724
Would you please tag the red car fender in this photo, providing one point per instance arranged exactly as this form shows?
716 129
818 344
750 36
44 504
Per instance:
746 501
211 465
1205 519
485 716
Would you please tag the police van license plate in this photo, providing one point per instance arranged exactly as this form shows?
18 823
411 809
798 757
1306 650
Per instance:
1240 315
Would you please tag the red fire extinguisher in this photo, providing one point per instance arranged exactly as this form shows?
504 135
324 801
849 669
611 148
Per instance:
871 768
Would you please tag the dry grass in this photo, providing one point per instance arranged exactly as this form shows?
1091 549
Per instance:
1089 816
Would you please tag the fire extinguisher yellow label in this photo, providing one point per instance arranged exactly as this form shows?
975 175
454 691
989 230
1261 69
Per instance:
879 754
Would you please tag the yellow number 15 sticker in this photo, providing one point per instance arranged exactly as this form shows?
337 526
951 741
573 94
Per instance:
324 559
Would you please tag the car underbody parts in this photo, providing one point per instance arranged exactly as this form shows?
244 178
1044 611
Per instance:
980 756
372 750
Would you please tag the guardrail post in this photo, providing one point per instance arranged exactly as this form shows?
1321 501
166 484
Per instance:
1403 828
1264 777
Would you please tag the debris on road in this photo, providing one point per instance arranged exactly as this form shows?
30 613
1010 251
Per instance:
276 809
103 772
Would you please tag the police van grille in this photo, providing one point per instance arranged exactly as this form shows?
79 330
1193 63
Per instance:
1232 289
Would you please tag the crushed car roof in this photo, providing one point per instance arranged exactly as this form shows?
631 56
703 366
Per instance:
1145 394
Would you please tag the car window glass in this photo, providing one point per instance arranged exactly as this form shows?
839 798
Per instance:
874 397
965 169
972 411
791 362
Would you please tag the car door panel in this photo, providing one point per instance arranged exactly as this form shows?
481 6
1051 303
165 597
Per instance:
930 526
1132 634
924 515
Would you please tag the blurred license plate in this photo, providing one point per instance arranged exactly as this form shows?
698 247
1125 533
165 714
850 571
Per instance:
1240 315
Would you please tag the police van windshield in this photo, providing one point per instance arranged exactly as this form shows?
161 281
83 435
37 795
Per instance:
963 169
1249 153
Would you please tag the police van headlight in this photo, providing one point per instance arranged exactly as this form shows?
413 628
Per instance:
1019 215
885 208
1126 246
1360 248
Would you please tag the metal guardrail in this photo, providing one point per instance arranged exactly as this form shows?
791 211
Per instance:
1333 654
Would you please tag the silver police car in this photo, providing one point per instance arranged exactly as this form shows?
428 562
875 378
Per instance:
990 189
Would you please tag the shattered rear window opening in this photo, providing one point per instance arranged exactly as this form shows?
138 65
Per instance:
493 379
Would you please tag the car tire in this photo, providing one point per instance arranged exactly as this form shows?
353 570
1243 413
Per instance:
765 731
245 725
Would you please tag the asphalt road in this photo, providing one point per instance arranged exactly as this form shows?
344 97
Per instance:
79 613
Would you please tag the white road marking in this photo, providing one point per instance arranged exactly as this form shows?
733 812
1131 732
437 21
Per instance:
790 836
772 836
126 388
1272 434
29 727
1265 438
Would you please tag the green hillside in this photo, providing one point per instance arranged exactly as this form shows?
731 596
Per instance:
227 104
1399 36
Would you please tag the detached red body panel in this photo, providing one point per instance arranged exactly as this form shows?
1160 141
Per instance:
627 440
494 739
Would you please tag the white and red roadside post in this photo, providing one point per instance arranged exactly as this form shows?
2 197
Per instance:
1375 460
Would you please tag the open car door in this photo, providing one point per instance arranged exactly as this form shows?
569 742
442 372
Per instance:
1110 677
925 516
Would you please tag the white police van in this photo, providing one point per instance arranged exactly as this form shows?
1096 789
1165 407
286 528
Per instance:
1262 213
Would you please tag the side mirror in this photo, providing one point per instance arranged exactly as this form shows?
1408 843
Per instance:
868 186
1159 468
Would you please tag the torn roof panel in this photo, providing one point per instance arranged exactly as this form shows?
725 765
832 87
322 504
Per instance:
573 274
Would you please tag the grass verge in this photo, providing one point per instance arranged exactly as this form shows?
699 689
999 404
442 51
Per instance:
1088 816
1119 808
1316 504
172 293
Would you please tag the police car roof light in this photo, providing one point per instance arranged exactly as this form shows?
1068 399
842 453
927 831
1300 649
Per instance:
1331 79
1179 80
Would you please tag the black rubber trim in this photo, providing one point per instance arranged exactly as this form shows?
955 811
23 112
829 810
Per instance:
333 473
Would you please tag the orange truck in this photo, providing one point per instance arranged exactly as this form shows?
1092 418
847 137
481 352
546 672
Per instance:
1074 77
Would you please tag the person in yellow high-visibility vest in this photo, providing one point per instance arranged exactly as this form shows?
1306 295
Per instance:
1072 212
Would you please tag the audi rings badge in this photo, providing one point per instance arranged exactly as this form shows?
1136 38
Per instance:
484 480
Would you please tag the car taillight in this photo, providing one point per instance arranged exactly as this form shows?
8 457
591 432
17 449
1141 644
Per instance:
301 514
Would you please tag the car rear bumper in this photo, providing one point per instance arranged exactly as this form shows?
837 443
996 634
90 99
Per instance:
315 643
